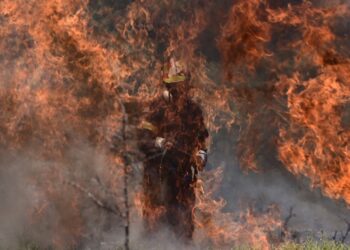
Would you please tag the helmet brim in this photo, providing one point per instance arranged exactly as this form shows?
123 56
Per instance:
174 79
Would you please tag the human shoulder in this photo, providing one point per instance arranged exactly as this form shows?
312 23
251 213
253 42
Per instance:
157 101
154 111
194 107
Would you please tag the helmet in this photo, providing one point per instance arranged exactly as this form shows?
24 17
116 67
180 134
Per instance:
174 72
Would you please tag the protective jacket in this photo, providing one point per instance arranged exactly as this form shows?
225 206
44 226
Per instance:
170 172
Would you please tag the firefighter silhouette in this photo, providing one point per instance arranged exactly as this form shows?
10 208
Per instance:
172 136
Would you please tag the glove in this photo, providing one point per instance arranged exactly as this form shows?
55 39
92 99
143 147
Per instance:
202 154
162 143
202 158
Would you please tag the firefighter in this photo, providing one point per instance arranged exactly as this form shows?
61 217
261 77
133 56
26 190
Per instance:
172 136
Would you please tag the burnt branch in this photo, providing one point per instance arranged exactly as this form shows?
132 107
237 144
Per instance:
101 204
289 217
285 230
126 160
346 234
334 237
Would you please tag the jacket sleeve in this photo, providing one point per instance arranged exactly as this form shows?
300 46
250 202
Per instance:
148 131
202 136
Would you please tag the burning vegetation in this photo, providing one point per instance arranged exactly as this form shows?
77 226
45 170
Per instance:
76 76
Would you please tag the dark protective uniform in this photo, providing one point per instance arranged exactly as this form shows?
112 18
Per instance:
170 174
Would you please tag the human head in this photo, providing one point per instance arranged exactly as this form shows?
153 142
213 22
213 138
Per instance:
176 79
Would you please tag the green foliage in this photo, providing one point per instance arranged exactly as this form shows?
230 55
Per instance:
314 245
308 245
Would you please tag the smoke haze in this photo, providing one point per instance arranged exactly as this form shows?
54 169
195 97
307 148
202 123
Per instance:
64 64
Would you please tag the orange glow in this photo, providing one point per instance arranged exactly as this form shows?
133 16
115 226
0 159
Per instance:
63 82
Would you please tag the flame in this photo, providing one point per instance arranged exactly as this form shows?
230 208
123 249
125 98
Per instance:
230 229
315 144
293 99
150 213
64 74
244 35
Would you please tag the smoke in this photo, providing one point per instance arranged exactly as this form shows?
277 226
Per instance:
59 79
274 185
40 207
17 196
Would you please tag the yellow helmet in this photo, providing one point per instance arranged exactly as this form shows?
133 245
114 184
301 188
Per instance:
174 72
